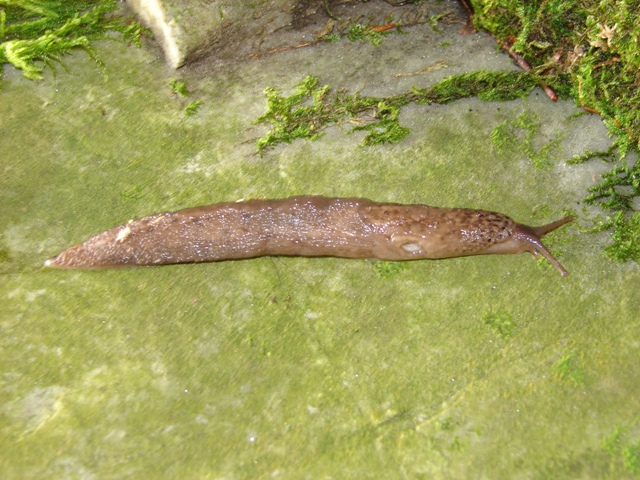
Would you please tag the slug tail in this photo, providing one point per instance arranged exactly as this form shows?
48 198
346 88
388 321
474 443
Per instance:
72 258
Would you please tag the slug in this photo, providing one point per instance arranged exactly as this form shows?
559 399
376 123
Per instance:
307 226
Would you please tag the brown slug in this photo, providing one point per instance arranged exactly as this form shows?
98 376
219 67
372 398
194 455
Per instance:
308 226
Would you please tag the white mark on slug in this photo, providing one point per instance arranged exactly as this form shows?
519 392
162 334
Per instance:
124 233
412 248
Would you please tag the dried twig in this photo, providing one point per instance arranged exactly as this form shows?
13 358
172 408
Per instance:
526 66
383 28
468 27
429 68
281 49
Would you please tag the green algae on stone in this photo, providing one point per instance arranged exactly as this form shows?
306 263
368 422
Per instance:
569 368
623 447
501 322
387 269
517 137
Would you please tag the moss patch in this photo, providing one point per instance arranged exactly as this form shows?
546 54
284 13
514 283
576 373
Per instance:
588 51
37 33
311 109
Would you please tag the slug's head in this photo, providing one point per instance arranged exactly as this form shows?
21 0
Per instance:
528 239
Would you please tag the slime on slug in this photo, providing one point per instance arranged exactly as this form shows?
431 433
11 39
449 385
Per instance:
308 226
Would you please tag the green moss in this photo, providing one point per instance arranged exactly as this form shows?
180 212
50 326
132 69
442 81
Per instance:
34 34
193 108
358 31
625 235
485 84
179 88
386 129
619 188
312 108
618 193
332 38
589 51
606 155
611 443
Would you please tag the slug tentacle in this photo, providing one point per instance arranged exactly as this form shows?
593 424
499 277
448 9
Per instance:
538 248
311 226
550 227
533 236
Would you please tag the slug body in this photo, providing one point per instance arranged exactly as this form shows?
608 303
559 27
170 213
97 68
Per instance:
309 226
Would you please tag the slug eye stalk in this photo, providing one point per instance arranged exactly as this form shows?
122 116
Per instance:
536 247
